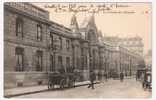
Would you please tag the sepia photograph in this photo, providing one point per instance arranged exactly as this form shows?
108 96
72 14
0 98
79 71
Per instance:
77 50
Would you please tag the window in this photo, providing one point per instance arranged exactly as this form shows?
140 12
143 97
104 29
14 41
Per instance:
85 61
91 36
60 65
60 61
82 62
67 62
19 27
51 63
82 58
67 44
39 32
82 51
19 53
78 62
60 43
39 55
94 59
51 40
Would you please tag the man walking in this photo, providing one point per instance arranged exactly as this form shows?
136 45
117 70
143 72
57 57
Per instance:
121 76
92 78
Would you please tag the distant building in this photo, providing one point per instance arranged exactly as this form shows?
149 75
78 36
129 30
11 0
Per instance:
148 59
133 44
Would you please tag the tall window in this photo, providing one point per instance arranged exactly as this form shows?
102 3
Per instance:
60 39
67 44
19 53
82 62
51 40
67 62
51 63
68 67
82 51
85 62
82 58
60 61
60 65
19 27
78 62
39 55
94 58
39 32
91 35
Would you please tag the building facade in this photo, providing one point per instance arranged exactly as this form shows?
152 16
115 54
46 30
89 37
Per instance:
148 59
34 46
133 44
25 41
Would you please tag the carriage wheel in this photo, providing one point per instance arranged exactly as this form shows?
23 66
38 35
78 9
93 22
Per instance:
72 83
50 85
62 83
145 86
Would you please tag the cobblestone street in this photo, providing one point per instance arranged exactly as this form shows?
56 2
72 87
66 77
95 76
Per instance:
110 89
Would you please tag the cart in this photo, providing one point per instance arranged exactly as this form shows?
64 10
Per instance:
61 80
147 82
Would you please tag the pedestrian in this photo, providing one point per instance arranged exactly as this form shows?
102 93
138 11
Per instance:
106 76
121 76
142 77
137 75
126 74
92 78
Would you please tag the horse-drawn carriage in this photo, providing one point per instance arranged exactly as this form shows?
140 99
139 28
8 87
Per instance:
147 81
62 80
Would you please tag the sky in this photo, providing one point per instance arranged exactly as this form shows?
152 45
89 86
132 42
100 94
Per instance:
135 23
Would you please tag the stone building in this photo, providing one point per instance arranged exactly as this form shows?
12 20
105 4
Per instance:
25 48
131 43
148 59
34 46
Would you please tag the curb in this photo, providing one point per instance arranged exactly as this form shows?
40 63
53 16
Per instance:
44 90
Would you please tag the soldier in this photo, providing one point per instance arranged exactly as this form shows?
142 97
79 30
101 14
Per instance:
92 78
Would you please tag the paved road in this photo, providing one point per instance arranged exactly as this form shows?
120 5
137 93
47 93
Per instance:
111 89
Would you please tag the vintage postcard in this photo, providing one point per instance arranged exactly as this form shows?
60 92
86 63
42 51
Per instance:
77 50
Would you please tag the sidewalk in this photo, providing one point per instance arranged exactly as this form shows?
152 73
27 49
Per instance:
129 77
35 89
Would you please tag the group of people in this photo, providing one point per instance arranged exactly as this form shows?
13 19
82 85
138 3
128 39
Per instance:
92 78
